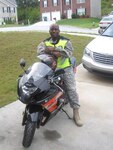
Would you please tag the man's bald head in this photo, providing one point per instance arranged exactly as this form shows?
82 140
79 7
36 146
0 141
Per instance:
54 31
54 27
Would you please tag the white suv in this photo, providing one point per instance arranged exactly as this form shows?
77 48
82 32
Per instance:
98 54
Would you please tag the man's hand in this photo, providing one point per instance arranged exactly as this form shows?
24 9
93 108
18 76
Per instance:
49 49
57 54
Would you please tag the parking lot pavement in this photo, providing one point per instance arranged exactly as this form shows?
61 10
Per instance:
96 98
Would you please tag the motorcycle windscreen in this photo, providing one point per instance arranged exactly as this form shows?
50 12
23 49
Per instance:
37 75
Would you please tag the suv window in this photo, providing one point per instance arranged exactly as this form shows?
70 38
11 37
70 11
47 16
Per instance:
108 31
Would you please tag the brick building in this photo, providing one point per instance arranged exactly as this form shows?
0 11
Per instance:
55 9
112 3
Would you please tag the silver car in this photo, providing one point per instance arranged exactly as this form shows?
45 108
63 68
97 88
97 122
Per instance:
105 22
98 54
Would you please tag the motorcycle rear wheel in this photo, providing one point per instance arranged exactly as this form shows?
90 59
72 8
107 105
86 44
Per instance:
29 132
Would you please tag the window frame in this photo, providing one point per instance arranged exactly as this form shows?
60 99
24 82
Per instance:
55 2
8 9
81 1
4 9
45 3
67 2
80 11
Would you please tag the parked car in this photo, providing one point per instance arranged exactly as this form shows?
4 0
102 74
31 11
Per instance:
98 54
111 13
105 22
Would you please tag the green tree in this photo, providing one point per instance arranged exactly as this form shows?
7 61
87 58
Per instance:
106 7
28 3
28 11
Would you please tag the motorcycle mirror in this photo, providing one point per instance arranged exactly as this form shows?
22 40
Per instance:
22 63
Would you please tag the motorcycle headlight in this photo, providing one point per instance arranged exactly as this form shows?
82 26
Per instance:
29 90
87 52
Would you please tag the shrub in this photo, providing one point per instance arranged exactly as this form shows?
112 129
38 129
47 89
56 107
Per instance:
74 15
63 16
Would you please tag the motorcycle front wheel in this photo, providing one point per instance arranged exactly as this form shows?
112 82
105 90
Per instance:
29 132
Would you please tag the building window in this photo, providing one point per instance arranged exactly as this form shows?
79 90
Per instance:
55 2
7 19
81 11
14 9
4 9
45 3
67 2
81 1
8 9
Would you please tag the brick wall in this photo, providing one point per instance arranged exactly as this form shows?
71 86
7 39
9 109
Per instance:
65 8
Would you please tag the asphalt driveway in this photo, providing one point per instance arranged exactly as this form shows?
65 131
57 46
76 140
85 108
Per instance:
96 97
43 26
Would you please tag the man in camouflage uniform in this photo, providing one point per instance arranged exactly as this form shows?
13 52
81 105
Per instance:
60 43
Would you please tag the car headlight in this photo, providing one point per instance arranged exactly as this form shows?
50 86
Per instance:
87 52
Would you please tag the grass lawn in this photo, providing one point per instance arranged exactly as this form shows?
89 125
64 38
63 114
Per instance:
10 25
80 22
16 45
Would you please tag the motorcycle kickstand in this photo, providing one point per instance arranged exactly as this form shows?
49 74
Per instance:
66 114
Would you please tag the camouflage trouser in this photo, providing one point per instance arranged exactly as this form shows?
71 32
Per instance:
70 85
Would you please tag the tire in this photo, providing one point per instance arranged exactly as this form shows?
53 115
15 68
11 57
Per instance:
29 132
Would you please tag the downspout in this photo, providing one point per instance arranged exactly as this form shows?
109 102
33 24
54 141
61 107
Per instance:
61 5
51 12
71 5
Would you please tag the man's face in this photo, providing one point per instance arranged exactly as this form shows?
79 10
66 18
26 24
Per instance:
54 31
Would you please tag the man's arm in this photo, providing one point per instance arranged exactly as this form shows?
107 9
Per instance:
41 49
69 48
67 51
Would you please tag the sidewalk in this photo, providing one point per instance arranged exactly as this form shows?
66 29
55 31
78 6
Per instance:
96 98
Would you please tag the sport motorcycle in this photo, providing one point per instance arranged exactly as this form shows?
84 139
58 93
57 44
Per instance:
41 88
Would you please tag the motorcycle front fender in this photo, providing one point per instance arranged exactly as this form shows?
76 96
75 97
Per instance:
34 116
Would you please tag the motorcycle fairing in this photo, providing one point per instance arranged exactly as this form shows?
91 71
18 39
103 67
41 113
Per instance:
35 80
